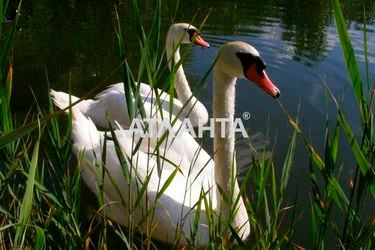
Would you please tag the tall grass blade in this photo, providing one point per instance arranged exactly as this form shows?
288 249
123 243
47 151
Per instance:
315 156
167 183
27 200
122 157
124 68
40 238
9 83
8 42
365 49
17 133
366 168
234 235
197 216
6 124
287 167
143 190
154 37
350 59
335 142
138 22
366 239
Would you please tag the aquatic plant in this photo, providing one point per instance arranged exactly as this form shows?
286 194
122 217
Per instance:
40 181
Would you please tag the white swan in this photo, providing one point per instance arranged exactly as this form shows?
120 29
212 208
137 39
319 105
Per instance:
110 105
176 209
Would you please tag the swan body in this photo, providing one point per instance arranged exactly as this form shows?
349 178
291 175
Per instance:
110 105
195 172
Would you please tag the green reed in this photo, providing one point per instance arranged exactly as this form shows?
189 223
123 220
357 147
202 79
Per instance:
358 230
40 187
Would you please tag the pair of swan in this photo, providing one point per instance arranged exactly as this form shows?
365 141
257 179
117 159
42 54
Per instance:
176 210
111 105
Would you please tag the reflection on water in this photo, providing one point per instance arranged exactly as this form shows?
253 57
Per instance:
304 24
76 39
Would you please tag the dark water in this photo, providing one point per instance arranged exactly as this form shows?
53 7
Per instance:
297 39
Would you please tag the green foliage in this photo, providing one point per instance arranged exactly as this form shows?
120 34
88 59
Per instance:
350 60
356 231
27 200
41 186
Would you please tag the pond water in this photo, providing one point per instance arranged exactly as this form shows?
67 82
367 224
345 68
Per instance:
297 39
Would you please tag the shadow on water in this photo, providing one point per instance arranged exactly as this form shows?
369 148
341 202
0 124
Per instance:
297 39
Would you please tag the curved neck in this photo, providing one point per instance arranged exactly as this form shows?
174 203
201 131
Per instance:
223 107
181 84
224 157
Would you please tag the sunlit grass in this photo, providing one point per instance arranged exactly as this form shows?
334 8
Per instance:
40 186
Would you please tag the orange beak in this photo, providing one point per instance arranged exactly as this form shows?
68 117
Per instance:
199 41
262 82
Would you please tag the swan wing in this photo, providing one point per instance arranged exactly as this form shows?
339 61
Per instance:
121 183
110 105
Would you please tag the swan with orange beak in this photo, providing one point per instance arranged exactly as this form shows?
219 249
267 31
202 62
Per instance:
254 69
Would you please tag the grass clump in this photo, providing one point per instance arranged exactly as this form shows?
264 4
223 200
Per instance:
40 187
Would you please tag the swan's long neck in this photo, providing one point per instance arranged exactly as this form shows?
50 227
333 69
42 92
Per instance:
224 158
181 84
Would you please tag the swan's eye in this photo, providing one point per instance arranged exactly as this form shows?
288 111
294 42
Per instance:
248 59
192 34
261 66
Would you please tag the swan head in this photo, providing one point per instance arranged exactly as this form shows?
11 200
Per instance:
186 33
241 60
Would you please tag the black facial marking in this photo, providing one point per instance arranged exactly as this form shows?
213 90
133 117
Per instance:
248 59
191 33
